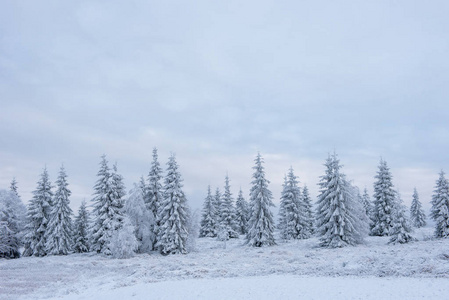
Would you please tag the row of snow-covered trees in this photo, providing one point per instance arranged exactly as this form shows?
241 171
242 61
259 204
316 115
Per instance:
342 216
154 215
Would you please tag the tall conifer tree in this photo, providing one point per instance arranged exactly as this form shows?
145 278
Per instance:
384 201
261 224
440 207
417 215
241 213
81 230
59 229
154 197
208 220
173 213
228 221
37 217
338 222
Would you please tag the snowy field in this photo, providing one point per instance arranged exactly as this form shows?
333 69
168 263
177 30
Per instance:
298 269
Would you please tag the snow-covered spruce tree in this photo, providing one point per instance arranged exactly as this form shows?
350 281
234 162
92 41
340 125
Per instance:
384 199
81 230
417 215
308 206
108 207
366 202
119 193
261 224
208 225
400 233
293 217
123 242
140 217
217 205
12 215
59 229
228 220
13 186
37 217
173 213
440 207
338 210
241 213
154 195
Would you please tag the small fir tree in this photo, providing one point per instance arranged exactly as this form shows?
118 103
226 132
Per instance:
81 230
261 224
13 187
173 213
37 217
208 224
417 215
366 202
384 201
154 195
241 214
440 207
401 230
308 206
59 229
217 205
228 221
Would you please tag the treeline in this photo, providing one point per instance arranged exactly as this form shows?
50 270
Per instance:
154 215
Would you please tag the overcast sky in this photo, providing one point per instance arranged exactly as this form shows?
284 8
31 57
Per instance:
217 81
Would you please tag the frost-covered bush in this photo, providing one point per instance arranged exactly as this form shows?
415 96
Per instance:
141 217
123 242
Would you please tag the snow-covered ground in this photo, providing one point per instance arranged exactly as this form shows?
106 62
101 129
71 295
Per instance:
289 270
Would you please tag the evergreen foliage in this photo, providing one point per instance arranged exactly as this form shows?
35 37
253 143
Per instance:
261 224
440 207
173 213
12 215
37 217
59 229
108 207
308 207
401 229
228 220
366 202
217 205
241 213
208 225
153 196
13 187
294 221
417 215
81 230
384 201
339 222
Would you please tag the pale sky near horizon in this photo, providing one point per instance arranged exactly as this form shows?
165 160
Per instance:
215 82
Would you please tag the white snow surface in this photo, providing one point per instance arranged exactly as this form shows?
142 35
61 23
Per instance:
292 270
